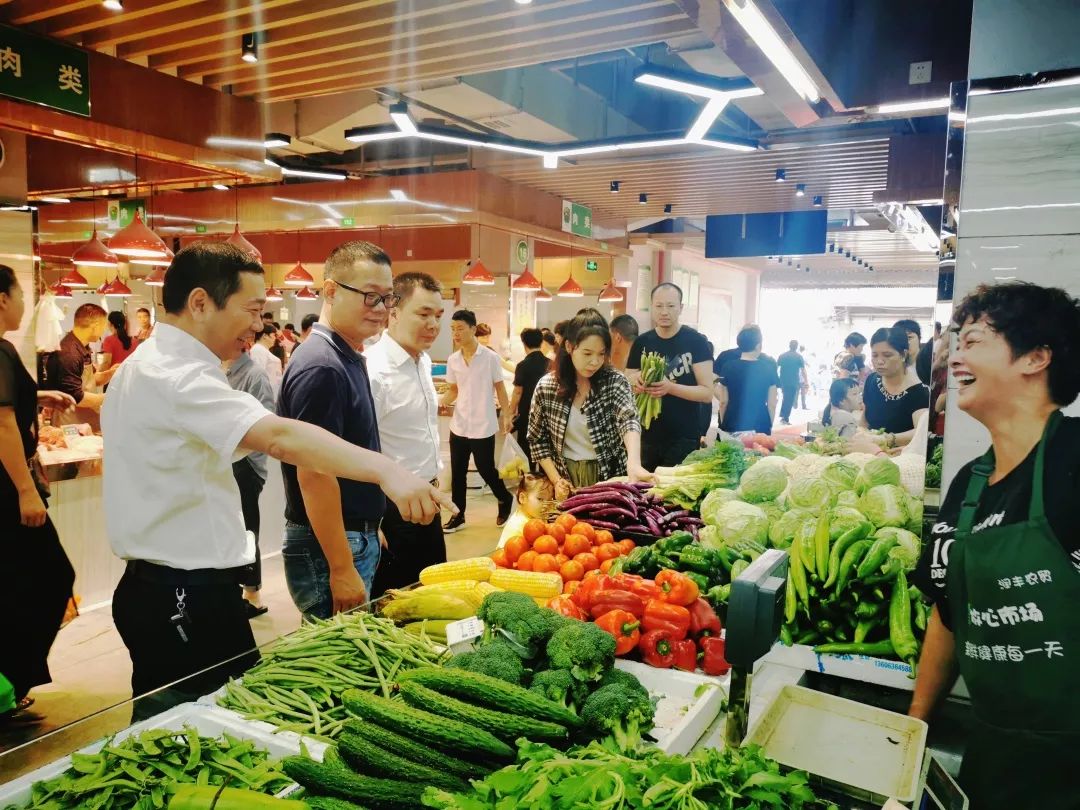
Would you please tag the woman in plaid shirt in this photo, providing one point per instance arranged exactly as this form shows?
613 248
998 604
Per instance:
583 425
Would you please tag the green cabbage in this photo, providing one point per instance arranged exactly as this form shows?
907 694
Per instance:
848 498
783 529
713 501
905 554
885 505
762 482
843 519
915 513
773 510
840 475
875 473
809 493
737 523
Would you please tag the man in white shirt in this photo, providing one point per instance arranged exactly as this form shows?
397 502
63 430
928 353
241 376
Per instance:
407 410
266 336
173 427
472 372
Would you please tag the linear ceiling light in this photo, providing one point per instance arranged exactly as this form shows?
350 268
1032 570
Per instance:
314 174
114 5
551 161
921 105
399 114
54 199
273 139
221 187
372 134
749 16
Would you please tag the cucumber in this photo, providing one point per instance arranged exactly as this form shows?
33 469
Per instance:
330 803
414 750
372 760
499 695
501 724
397 715
332 780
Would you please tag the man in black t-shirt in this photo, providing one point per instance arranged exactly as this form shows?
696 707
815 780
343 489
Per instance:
527 374
748 387
675 433
792 377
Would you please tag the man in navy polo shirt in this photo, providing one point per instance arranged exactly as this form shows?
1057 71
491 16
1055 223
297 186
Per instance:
331 545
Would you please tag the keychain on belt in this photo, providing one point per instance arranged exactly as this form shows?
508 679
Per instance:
181 620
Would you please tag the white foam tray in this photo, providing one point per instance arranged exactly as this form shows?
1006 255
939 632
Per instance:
209 721
865 751
689 703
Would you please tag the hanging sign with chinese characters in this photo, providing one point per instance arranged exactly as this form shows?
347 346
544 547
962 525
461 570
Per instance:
43 71
576 219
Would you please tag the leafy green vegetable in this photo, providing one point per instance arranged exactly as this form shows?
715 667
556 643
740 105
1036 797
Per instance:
877 472
885 505
904 556
598 777
933 467
762 482
840 475
719 466
713 501
844 518
737 523
848 498
783 528
810 493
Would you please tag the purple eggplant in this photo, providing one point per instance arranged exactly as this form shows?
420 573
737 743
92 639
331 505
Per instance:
670 516
605 524
654 527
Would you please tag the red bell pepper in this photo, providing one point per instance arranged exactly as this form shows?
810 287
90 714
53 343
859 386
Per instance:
590 585
624 626
614 599
646 589
713 661
685 655
657 648
678 588
566 606
660 615
703 619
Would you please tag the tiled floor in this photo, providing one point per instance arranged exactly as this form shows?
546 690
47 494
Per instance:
91 669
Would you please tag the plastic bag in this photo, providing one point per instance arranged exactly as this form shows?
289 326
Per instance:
513 463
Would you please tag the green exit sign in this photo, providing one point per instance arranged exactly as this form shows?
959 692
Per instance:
348 222
87 234
200 229
592 265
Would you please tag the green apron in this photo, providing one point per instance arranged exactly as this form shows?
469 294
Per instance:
1015 598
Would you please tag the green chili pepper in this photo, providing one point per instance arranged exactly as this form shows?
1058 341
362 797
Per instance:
785 635
791 603
849 561
821 545
900 632
700 580
875 650
696 558
867 610
798 575
863 628
876 556
843 543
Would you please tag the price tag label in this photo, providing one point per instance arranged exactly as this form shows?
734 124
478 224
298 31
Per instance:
461 634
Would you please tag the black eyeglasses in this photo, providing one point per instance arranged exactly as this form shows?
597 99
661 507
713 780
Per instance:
390 300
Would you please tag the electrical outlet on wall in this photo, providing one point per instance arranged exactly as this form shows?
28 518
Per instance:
919 73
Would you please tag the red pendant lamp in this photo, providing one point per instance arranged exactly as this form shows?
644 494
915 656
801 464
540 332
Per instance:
570 288
73 278
298 277
241 242
306 294
117 289
478 275
543 296
138 241
92 253
526 282
610 293
272 294
60 291
156 277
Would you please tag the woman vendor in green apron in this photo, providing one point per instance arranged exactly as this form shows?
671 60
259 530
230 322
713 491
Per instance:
1002 563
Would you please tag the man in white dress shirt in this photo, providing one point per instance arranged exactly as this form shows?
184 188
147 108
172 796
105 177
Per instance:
265 337
407 410
473 372
173 427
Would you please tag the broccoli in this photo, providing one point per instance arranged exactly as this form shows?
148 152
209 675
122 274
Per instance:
622 678
583 648
618 713
495 658
560 686
515 617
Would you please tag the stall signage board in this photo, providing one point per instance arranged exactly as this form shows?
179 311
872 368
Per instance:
576 219
122 212
42 71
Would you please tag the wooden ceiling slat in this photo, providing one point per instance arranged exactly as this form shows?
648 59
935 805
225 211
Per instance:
516 55
89 19
187 21
464 30
25 12
404 58
314 17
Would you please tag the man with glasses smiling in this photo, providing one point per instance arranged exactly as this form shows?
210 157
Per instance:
331 545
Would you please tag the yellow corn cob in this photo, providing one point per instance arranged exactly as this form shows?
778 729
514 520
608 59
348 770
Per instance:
478 568
484 588
450 585
532 583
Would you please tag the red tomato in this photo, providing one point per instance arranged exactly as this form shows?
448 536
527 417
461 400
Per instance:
588 561
526 561
515 547
566 521
626 546
545 544
500 558
608 551
557 531
572 570
545 563
585 530
533 529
